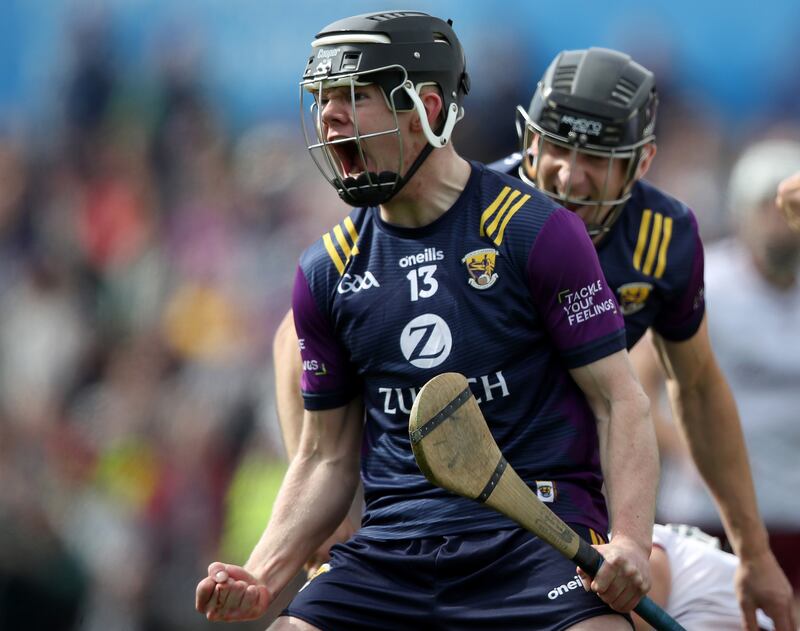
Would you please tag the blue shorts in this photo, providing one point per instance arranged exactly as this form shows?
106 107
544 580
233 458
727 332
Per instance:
505 579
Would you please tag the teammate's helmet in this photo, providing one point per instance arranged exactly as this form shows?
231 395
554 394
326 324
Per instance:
400 52
598 102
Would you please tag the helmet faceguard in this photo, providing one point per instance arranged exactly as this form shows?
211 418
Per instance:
595 102
400 52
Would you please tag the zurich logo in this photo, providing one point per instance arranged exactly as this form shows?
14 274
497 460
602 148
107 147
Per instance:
426 341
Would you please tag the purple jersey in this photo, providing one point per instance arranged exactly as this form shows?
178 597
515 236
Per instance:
653 261
505 288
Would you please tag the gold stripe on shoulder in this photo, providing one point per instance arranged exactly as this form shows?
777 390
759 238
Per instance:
662 251
333 253
339 234
492 207
642 240
658 220
351 230
499 215
347 242
499 238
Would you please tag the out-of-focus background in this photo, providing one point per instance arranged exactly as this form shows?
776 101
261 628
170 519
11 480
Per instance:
155 194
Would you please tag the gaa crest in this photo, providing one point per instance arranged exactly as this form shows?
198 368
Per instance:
480 267
633 296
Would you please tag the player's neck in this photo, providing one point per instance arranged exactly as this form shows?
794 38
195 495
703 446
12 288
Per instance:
431 192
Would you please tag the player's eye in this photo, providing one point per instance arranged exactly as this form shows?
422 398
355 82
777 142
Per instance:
596 160
556 150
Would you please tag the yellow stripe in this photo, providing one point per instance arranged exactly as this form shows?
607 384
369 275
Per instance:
493 226
637 254
492 207
499 238
662 251
337 230
351 230
658 220
593 537
337 260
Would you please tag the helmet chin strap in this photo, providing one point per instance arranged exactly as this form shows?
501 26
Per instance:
362 190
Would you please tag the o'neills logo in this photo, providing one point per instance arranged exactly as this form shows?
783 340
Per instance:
575 583
426 256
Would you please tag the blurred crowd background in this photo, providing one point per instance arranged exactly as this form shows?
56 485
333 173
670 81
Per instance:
155 193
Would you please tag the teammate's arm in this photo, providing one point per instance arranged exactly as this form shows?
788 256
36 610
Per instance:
706 413
629 460
288 369
313 499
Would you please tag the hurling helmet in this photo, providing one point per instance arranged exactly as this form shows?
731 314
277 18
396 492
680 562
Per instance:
597 102
400 52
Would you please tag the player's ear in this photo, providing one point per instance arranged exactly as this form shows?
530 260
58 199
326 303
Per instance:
646 159
433 103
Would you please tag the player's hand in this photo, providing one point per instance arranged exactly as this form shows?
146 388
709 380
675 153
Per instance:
761 584
624 577
343 532
231 593
788 200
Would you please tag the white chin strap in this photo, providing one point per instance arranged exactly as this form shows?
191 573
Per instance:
454 114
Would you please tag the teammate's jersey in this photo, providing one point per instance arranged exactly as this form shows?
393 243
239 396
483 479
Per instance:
653 260
701 594
505 288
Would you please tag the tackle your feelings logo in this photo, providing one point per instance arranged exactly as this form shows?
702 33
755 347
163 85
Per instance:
633 297
480 266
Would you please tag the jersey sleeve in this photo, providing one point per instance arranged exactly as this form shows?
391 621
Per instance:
570 291
682 314
328 379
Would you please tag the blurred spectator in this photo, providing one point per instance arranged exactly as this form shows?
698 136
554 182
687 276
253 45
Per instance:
753 291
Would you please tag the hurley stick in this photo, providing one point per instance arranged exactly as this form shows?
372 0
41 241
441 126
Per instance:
455 450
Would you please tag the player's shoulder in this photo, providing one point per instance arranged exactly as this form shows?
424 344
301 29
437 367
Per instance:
509 207
653 205
327 258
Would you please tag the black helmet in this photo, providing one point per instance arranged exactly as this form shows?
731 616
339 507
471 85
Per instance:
400 52
596 101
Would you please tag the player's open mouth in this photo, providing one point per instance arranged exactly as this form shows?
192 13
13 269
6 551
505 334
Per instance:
349 158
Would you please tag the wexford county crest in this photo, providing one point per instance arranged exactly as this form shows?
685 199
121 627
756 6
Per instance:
480 265
633 296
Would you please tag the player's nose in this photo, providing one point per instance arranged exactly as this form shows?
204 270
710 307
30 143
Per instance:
570 176
335 111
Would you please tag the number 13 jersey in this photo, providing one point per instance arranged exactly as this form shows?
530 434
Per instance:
505 288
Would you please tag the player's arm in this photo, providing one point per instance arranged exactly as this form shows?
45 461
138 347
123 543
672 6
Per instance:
661 576
647 367
629 460
312 501
288 371
706 413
